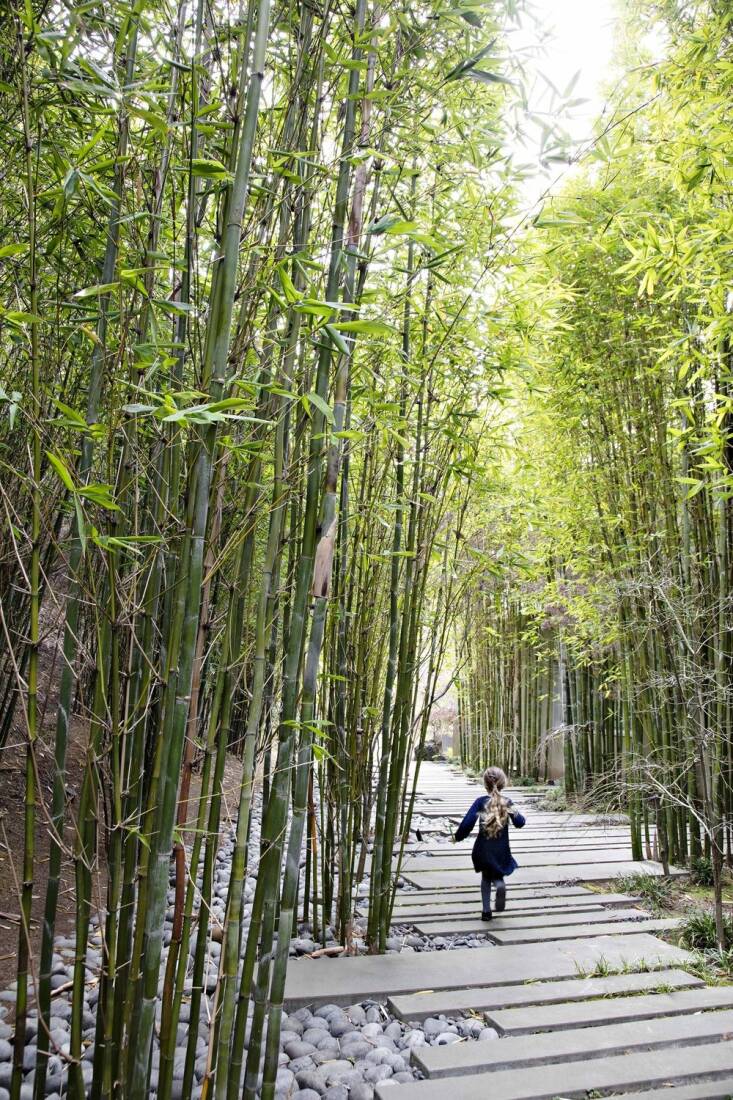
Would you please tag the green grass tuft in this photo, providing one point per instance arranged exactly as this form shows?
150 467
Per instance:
701 869
556 800
698 931
712 967
656 890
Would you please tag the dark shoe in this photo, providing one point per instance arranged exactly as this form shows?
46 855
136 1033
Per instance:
486 916
500 900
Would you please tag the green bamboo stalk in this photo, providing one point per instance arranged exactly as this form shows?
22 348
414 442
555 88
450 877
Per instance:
32 713
230 952
102 1083
187 611
387 803
292 862
127 49
275 813
207 877
322 570
85 846
229 962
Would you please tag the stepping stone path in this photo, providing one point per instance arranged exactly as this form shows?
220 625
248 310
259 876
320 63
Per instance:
569 992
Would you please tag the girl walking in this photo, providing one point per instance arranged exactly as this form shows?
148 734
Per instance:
492 856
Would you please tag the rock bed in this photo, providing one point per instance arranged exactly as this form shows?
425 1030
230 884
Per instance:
411 941
335 1053
403 940
339 1054
60 1021
343 1053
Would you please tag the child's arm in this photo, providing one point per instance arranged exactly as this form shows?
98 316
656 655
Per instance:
518 820
469 821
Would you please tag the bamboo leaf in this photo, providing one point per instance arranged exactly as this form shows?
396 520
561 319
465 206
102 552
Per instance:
289 288
323 407
369 328
61 469
337 339
18 317
387 223
81 527
210 170
93 291
485 77
99 494
464 67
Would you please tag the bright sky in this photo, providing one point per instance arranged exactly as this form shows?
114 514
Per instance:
582 40
579 39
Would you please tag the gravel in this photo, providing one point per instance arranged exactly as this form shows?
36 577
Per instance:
332 1052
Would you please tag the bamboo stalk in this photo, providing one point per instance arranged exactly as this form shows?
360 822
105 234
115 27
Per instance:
32 710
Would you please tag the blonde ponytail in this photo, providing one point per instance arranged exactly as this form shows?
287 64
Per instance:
495 813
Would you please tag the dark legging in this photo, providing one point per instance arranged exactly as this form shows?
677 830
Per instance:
486 881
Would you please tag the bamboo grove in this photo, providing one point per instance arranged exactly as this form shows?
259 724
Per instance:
244 378
601 630
301 417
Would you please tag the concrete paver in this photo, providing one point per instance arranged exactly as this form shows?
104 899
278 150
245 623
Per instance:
607 1004
418 1006
467 908
344 981
560 859
538 920
710 1090
513 937
583 872
427 897
678 1064
563 1017
566 1046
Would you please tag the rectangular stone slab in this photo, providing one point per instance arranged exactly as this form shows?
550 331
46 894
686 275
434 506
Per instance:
459 807
551 827
459 850
558 919
435 809
576 1079
538 921
459 860
553 840
563 860
562 845
557 848
541 889
511 936
570 1046
590 872
556 859
440 911
539 817
544 833
562 1017
711 1090
572 833
344 981
427 897
536 820
530 857
450 1002
465 911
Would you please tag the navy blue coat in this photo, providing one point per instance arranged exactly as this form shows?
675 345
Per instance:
490 853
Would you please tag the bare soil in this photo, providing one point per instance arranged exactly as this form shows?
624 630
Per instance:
12 805
683 895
